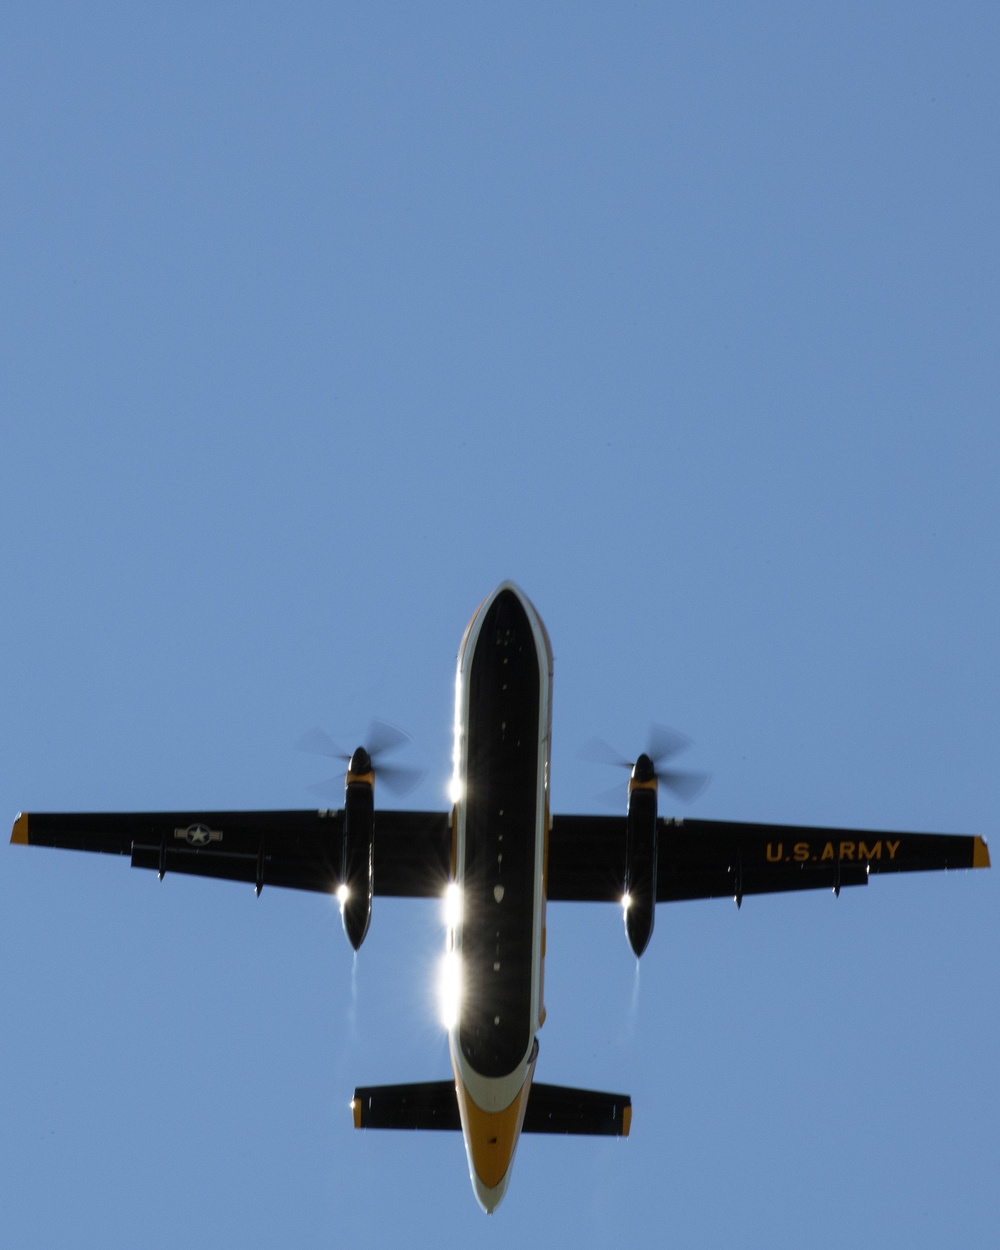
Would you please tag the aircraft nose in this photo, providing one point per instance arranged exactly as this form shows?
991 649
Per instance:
489 1197
490 1141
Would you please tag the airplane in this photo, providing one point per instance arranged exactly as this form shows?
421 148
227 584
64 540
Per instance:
498 858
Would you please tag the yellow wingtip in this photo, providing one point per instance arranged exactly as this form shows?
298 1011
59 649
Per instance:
626 1120
20 833
356 1111
980 854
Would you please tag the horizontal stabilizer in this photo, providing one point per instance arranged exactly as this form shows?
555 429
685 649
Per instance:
551 1109
560 1109
428 1104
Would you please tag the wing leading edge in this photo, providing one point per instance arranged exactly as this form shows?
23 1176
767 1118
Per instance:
727 859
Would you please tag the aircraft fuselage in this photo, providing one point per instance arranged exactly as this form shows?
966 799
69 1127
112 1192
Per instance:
501 820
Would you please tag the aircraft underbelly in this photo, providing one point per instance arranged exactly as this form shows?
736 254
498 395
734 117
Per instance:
503 713
500 842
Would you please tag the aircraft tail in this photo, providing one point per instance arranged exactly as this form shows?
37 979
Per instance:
551 1109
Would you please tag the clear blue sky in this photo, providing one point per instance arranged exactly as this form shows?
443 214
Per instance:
318 322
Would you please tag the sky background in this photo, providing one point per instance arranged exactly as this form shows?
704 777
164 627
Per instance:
316 323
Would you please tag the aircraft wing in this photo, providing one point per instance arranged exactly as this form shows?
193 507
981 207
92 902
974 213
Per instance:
727 859
298 849
697 858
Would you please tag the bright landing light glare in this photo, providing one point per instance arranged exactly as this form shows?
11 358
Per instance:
450 989
449 985
453 904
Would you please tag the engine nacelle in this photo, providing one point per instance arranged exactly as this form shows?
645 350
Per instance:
355 891
640 855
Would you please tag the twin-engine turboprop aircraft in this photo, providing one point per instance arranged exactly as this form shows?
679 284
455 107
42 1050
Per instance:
499 857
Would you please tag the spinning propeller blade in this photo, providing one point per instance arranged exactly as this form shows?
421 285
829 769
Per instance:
661 745
383 739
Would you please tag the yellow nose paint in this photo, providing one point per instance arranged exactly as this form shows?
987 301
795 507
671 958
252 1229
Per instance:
492 1135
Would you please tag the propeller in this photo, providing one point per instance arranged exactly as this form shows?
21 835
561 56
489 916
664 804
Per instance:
661 745
382 740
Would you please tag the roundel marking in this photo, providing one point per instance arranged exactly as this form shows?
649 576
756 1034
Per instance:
198 835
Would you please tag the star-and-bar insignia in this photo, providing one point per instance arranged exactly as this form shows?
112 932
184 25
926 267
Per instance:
199 835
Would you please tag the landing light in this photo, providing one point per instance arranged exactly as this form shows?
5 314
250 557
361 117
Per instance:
453 905
455 790
450 989
626 901
343 893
